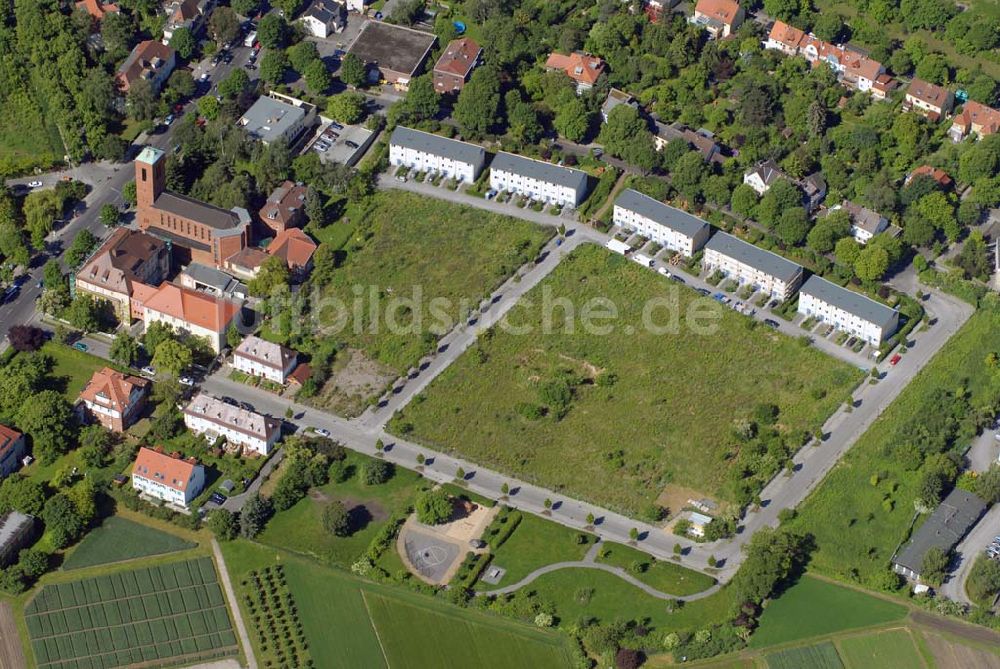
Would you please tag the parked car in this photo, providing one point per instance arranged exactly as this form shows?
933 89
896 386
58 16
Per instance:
149 369
246 406
34 184
217 498
771 323
894 359
677 278
663 271
186 381
80 346
351 144
169 119
321 432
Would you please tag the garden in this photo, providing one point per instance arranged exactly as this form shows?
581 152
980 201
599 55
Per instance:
559 408
274 619
118 539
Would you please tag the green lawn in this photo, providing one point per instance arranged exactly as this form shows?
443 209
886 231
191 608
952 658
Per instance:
813 607
665 576
535 543
300 528
892 649
666 415
71 369
340 615
26 140
119 539
821 656
855 533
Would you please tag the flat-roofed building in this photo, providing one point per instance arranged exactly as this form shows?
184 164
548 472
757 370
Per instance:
397 52
212 281
751 265
167 477
538 180
276 117
670 227
847 310
426 152
259 357
212 418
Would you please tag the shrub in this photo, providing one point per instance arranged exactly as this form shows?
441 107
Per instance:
377 472
433 507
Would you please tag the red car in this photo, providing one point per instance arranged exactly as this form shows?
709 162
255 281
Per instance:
894 359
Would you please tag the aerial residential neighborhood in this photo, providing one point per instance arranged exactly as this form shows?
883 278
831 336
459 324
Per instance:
499 334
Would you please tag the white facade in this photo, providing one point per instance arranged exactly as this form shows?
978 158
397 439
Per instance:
569 194
424 161
847 311
862 236
212 418
170 495
257 357
664 235
254 367
750 265
745 274
215 339
753 180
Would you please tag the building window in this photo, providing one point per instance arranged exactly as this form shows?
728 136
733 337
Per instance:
144 174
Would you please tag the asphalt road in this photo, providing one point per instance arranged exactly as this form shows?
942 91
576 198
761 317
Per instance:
967 551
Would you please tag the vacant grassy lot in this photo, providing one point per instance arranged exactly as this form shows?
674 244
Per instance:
794 614
646 409
820 656
892 649
535 543
119 539
26 141
71 369
300 528
666 577
856 531
159 616
410 268
340 615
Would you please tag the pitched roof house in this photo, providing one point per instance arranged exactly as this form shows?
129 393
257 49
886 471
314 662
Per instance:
114 399
582 68
762 177
455 65
323 17
951 521
170 478
719 17
931 100
96 8
150 60
295 247
259 357
616 98
12 447
191 312
285 207
865 223
213 418
976 119
940 176
182 14
127 259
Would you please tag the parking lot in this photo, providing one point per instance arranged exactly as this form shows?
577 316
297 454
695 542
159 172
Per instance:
337 143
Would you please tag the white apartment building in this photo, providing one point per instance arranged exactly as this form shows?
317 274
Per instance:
665 225
213 418
848 311
169 478
258 357
432 153
538 180
748 264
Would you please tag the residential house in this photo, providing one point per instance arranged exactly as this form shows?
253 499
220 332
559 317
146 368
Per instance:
151 61
974 119
720 18
323 18
750 265
17 532
191 312
398 53
929 99
785 38
847 310
196 231
113 399
96 8
126 259
762 177
212 418
296 248
183 14
701 140
671 228
247 262
654 9
276 117
259 357
285 207
213 281
813 190
538 180
13 446
425 152
582 68
865 223
614 99
454 67
939 176
170 478
949 523
883 87
698 523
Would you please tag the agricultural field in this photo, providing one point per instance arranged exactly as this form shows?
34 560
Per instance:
559 408
300 528
159 616
436 260
665 576
793 615
892 649
820 656
351 623
119 539
857 525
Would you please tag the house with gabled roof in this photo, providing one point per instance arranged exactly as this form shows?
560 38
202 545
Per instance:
929 99
719 18
191 312
212 418
865 223
259 357
582 68
285 207
113 399
974 119
848 311
170 478
150 60
127 260
670 227
944 529
454 67
12 449
751 265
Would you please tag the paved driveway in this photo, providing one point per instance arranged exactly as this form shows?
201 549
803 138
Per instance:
966 553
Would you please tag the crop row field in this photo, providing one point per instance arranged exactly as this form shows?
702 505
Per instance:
156 616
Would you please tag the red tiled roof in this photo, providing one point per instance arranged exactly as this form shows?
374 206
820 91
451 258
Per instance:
8 437
459 57
300 374
111 389
96 8
935 173
785 34
294 246
579 66
156 465
142 56
193 307
721 10
977 114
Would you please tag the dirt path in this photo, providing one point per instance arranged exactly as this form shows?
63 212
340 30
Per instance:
234 605
957 627
11 652
611 197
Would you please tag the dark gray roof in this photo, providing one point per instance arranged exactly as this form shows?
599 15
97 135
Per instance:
201 212
11 525
392 47
536 169
770 263
209 276
323 10
955 516
438 146
665 215
178 240
851 302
